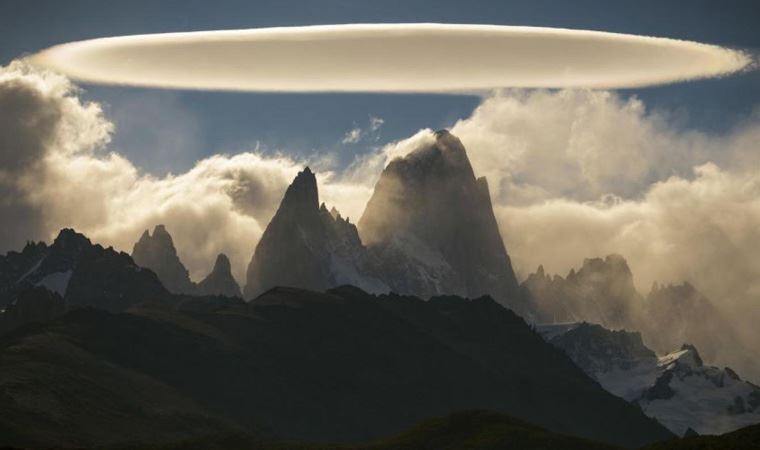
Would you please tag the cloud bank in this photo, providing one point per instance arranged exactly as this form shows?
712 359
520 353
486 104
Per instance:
57 172
577 174
573 174
389 58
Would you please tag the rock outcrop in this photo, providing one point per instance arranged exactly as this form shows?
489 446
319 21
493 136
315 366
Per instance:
307 246
431 225
678 388
601 291
220 281
157 253
82 273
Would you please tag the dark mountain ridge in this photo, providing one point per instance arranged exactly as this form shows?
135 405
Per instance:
342 365
82 273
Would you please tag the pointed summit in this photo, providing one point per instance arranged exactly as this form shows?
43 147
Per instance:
306 246
158 254
220 281
429 211
69 236
222 264
302 192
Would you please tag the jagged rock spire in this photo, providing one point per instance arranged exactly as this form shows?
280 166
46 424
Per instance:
302 192
220 281
428 210
158 254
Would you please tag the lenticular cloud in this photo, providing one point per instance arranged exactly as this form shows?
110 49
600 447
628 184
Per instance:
389 58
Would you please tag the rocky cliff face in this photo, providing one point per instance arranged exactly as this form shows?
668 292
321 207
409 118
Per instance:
601 291
220 281
307 246
598 350
431 225
429 229
157 253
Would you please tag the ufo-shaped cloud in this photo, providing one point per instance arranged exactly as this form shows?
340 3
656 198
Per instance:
389 58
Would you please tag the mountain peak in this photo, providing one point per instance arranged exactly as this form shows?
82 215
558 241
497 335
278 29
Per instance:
157 253
429 209
222 263
302 192
305 245
693 355
220 281
446 153
68 237
160 230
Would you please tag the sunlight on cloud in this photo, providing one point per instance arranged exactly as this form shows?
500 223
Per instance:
389 58
573 174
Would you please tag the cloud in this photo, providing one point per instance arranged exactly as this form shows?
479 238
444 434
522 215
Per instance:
577 174
580 144
704 230
352 137
375 123
573 174
581 173
356 134
39 117
57 172
389 58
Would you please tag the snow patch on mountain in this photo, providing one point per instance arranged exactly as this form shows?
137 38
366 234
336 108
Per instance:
57 282
677 388
344 271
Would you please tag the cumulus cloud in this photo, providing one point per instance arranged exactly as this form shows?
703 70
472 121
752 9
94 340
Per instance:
539 145
704 230
43 118
585 173
57 172
390 58
578 174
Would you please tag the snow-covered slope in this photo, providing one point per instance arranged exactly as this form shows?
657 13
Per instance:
677 388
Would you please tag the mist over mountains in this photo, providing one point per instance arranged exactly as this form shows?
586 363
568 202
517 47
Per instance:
428 229
415 312
602 292
572 175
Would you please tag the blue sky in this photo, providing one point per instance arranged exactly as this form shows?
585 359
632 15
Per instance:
164 130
